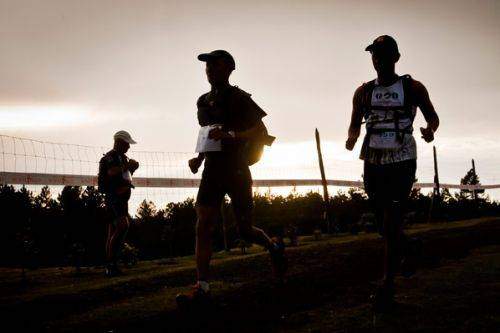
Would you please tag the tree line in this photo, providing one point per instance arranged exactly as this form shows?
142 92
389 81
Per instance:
38 229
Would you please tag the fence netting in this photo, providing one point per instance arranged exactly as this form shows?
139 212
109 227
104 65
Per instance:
164 176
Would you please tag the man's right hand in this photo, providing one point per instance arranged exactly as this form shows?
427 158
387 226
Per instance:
349 144
132 165
194 164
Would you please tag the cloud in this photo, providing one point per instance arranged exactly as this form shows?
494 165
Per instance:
39 117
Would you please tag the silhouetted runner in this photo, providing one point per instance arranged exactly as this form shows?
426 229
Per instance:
232 120
115 181
388 104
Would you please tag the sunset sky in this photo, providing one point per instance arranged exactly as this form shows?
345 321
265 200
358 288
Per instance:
77 71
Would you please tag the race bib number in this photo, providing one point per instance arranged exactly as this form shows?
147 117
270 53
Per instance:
384 140
204 143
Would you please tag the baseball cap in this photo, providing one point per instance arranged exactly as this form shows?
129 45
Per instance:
125 136
383 43
223 54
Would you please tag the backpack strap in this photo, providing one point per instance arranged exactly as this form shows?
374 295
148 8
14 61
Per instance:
407 108
409 101
367 97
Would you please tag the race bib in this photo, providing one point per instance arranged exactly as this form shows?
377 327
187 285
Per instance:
127 176
385 140
204 143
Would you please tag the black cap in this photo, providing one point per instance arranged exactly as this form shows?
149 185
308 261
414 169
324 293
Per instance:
222 54
383 43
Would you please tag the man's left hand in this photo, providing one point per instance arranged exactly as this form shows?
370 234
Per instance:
427 134
218 134
350 142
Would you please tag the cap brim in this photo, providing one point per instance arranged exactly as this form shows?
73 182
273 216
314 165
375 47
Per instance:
129 141
369 47
206 57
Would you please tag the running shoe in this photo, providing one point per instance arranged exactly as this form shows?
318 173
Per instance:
112 271
279 260
195 296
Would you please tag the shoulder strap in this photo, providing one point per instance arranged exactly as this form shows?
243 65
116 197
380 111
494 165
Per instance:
409 98
367 96
202 104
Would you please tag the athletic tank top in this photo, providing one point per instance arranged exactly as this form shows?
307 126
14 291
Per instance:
389 123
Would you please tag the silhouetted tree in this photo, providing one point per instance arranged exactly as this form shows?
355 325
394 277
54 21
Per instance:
471 178
72 229
146 211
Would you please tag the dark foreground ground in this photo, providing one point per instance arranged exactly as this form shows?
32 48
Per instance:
457 290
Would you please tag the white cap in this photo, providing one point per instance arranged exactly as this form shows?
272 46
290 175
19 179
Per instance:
125 136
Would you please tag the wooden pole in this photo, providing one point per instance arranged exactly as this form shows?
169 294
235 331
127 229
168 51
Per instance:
436 174
323 182
474 193
436 195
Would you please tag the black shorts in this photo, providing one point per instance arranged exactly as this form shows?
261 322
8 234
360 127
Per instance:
218 180
116 208
385 183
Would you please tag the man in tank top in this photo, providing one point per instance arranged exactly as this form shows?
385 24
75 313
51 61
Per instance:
387 105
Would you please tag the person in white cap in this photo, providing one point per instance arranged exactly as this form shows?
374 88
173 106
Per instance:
115 182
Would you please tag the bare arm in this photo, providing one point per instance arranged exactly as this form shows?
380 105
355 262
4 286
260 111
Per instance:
195 163
356 119
425 105
131 165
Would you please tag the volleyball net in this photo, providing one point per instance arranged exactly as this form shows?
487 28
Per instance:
165 176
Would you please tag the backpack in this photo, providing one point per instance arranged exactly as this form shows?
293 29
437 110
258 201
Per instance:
252 150
102 176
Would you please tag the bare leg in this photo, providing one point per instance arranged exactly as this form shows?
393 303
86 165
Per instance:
117 238
393 236
204 228
109 251
255 235
251 233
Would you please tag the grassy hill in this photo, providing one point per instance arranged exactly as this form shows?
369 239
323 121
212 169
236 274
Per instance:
329 284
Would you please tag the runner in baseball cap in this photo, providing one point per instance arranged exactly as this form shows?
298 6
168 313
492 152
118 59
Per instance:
124 136
218 54
383 43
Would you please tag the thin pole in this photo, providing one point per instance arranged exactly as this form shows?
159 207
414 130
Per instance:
474 193
323 181
436 174
436 195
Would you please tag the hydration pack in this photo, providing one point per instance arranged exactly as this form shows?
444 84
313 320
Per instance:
252 150
102 177
388 115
